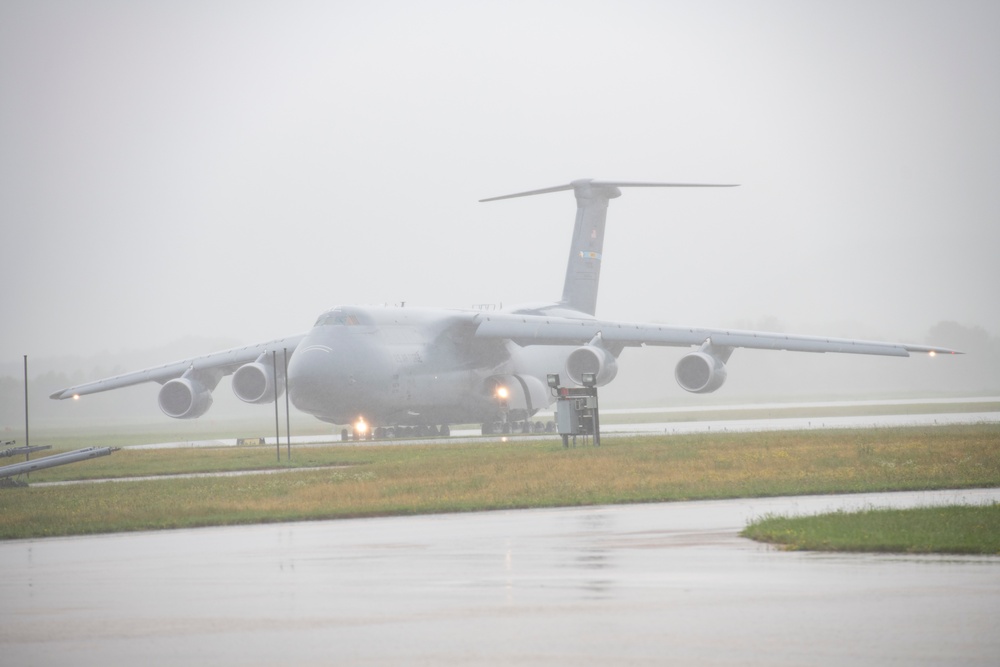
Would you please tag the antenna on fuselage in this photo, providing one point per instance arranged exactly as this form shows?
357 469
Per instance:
583 269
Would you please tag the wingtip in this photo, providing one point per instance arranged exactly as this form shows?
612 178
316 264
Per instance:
64 394
935 351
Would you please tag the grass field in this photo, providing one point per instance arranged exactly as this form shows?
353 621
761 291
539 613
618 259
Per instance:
366 480
956 530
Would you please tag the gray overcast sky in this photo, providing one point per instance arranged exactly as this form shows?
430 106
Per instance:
231 169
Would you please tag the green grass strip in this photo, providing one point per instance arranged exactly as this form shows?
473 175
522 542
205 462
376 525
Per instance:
457 477
947 530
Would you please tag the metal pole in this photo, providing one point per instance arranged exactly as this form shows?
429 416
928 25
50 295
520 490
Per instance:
27 439
597 422
288 423
277 427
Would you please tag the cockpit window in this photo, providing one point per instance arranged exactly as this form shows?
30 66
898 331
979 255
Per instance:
337 317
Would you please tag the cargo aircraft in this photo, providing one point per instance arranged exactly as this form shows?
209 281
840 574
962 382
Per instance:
397 366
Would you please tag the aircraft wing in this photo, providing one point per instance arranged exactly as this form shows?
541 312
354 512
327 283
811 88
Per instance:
216 364
556 330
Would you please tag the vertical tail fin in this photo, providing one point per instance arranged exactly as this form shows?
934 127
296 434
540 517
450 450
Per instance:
583 269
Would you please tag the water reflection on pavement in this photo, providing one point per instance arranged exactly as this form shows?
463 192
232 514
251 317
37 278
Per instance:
632 584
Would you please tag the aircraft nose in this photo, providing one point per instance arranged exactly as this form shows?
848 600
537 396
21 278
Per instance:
337 376
312 375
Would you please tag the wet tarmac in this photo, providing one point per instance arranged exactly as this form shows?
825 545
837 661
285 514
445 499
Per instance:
623 585
670 427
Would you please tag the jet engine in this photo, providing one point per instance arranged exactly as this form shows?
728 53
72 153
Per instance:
184 398
704 371
254 383
591 359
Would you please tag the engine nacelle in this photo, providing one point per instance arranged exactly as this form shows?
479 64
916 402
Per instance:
591 359
254 383
184 398
700 373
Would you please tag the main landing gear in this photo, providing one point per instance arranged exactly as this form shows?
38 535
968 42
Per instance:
527 426
390 432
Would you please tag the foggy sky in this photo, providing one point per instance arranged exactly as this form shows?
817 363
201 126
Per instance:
232 169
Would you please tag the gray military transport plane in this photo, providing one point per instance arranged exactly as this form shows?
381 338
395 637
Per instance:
373 366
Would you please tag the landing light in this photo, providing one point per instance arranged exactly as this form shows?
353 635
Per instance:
76 397
360 427
502 393
933 353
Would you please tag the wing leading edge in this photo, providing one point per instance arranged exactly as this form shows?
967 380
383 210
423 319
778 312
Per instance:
546 330
218 363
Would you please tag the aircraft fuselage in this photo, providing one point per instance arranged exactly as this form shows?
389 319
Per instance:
411 366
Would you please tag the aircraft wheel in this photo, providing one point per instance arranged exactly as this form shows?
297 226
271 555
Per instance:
506 428
445 430
344 437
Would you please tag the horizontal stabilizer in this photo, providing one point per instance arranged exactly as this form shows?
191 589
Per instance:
610 184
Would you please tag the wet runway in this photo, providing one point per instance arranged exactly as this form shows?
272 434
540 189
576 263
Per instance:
692 425
632 584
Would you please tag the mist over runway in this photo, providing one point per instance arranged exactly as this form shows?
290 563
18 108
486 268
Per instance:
310 154
634 584
631 421
231 171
